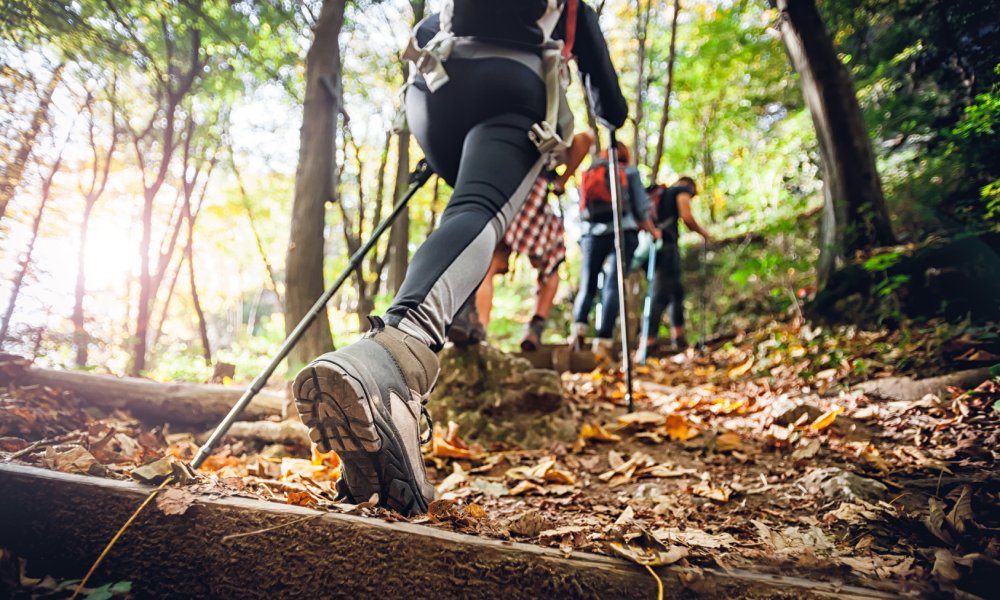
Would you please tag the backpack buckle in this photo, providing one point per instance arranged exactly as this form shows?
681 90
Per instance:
544 137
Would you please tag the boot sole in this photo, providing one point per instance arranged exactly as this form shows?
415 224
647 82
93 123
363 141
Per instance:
343 417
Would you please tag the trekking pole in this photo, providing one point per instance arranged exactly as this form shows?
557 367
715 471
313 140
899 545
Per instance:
647 306
616 195
704 294
418 178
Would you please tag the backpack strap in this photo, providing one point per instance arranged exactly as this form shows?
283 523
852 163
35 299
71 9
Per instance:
571 8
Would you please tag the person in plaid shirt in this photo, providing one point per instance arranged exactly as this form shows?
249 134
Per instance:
536 232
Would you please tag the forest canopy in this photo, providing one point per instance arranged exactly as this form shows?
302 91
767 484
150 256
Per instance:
149 156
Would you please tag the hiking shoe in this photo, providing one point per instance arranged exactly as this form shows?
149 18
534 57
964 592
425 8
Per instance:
365 402
603 349
679 344
578 336
465 328
533 334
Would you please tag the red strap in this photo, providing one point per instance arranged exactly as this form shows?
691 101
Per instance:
567 50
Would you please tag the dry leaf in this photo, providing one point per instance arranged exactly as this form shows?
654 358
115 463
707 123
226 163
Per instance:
523 487
597 433
934 521
652 556
299 498
74 460
826 419
706 490
807 451
530 523
944 565
677 428
740 370
452 481
728 442
449 444
961 513
174 501
640 420
695 537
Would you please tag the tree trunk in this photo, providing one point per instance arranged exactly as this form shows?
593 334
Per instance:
145 288
18 281
313 185
665 115
206 347
181 404
399 235
642 16
10 176
852 189
79 331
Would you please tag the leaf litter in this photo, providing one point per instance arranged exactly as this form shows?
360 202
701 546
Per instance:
754 454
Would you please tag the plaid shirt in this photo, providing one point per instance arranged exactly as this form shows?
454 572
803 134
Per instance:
537 232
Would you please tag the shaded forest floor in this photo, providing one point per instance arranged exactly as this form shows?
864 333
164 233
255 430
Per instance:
753 453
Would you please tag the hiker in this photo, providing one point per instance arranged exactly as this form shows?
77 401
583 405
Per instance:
536 232
670 204
597 243
483 105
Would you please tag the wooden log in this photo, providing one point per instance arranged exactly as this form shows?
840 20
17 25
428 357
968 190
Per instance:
49 519
180 404
908 389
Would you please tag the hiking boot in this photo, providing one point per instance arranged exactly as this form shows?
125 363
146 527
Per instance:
577 336
465 328
603 349
679 344
365 402
533 334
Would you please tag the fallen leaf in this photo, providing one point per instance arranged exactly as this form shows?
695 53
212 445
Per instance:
490 488
74 460
728 442
523 487
934 521
449 444
453 480
826 419
640 420
740 370
677 428
299 498
174 501
695 537
706 490
944 566
530 523
598 434
961 513
650 556
807 451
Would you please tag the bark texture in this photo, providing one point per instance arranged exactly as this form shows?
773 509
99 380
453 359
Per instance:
181 404
855 217
314 185
330 555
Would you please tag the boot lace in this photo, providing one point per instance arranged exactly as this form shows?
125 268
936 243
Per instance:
430 424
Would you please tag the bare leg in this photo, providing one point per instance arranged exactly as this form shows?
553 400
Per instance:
546 295
484 295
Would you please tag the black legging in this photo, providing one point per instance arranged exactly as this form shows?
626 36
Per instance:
598 256
668 291
474 134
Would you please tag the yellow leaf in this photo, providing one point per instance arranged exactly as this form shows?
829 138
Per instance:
741 370
826 419
449 445
677 428
597 433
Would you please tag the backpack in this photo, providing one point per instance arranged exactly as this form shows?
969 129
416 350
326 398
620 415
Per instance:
595 192
508 28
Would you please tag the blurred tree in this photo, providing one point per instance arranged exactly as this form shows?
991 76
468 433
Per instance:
855 216
314 184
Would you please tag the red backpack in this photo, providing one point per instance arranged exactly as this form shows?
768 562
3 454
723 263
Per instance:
595 192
